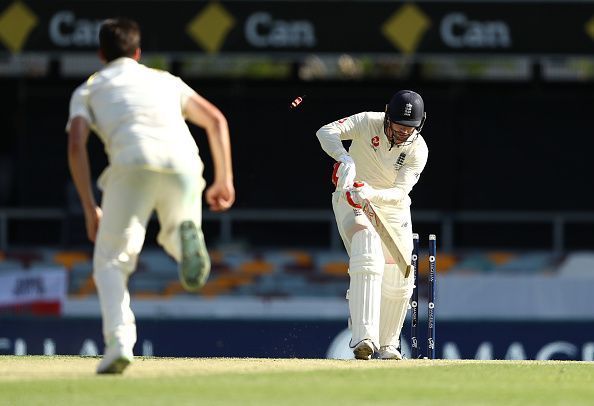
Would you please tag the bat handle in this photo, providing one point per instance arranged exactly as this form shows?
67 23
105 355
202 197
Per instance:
409 268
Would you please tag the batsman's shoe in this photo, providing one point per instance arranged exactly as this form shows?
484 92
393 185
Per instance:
115 360
194 267
389 352
364 350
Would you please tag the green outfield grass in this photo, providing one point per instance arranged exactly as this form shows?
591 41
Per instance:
62 380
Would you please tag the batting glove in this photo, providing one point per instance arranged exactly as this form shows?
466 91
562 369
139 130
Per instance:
344 173
359 192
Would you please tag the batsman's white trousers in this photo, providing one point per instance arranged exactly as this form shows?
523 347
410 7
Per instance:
382 326
129 197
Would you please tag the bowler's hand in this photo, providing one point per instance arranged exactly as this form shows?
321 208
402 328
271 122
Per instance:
92 218
220 196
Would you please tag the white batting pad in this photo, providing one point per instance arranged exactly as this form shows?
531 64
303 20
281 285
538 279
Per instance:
396 293
366 266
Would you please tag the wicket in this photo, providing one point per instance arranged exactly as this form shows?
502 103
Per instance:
414 335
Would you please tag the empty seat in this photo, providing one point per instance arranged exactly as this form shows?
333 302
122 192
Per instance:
256 267
470 263
80 277
157 262
69 258
529 263
500 257
333 263
138 284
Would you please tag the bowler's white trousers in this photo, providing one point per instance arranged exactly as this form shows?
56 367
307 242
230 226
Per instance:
129 197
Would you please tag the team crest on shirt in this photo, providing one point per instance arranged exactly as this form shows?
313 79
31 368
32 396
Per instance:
399 161
375 141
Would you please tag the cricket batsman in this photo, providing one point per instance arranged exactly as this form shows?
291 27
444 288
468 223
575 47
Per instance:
386 157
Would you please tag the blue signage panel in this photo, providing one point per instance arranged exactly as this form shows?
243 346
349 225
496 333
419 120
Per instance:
296 339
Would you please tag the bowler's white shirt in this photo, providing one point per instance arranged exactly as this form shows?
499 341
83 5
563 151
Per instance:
377 165
138 114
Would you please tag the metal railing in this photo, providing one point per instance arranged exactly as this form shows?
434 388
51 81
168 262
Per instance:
446 222
557 220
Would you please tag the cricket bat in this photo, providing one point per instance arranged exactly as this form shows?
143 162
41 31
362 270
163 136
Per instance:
388 236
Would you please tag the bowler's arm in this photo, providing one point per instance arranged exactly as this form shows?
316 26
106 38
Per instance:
78 163
199 111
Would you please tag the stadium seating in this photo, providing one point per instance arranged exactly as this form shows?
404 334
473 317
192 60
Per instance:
273 273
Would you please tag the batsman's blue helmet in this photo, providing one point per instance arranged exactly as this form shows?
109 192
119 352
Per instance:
406 108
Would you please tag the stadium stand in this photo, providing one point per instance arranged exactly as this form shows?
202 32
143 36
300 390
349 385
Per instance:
277 273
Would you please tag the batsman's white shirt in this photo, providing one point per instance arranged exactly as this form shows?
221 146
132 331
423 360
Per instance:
378 294
137 113
395 170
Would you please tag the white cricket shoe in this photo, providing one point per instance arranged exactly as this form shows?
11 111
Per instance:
115 360
364 350
194 267
389 352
